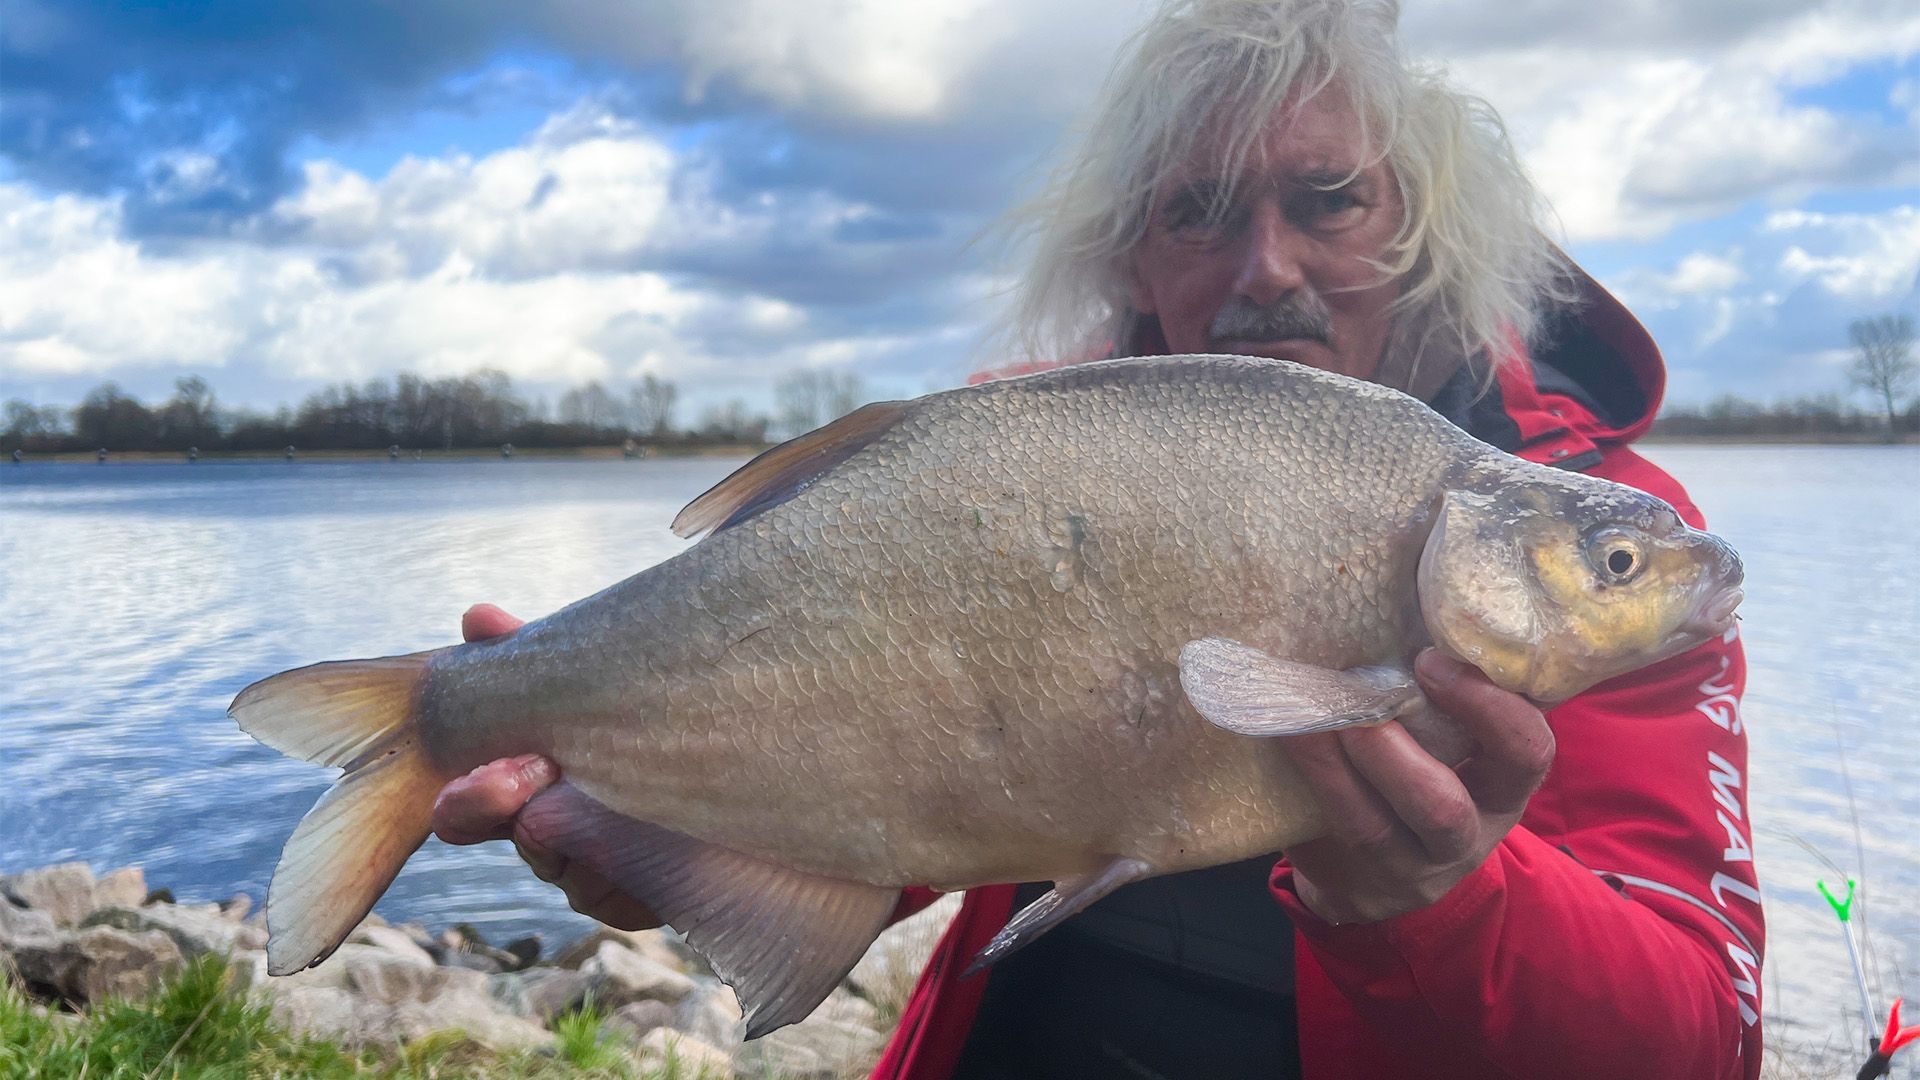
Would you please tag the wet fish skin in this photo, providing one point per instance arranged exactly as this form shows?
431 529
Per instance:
941 642
886 623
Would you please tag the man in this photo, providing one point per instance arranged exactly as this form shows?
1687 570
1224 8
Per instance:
1578 898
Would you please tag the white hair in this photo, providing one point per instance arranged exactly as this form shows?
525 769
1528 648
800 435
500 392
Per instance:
1476 266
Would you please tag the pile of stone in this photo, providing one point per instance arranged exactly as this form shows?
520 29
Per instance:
69 939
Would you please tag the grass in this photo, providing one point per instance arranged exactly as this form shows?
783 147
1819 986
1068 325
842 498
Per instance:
201 1026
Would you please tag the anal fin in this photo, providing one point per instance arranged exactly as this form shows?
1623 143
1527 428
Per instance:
1241 689
782 938
1068 896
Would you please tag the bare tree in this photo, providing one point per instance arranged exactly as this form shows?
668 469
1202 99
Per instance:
1883 363
591 407
810 397
189 419
650 406
733 423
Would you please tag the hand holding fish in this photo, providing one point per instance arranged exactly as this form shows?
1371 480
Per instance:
1406 828
485 805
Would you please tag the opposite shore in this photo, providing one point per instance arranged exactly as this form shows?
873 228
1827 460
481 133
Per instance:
745 450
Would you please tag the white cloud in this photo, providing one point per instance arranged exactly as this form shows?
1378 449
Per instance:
533 260
591 200
1868 257
1656 123
1703 273
76 298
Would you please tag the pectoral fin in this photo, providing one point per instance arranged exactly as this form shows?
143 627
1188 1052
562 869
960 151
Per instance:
1069 895
1248 692
783 939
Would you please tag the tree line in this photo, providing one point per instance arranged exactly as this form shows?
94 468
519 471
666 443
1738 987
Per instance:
1814 415
413 413
1883 367
485 410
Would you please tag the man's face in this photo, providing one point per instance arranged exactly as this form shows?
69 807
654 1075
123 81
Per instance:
1282 271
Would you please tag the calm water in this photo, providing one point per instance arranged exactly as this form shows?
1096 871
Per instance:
136 600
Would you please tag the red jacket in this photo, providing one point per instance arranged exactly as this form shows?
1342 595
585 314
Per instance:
1615 932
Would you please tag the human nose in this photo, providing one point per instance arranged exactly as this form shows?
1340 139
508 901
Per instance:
1270 264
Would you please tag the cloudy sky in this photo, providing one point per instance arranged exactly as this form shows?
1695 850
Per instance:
278 196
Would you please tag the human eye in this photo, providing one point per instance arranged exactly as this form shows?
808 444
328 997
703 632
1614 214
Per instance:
1336 201
1195 213
1329 202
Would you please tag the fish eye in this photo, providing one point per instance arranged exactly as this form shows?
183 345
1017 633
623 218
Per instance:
1616 556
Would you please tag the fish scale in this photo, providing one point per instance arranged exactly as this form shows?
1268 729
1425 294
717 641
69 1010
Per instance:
1126 600
1033 630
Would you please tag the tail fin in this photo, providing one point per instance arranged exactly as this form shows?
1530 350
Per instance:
359 715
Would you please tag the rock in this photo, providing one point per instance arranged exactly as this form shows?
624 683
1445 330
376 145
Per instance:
238 907
64 892
462 935
125 887
683 1055
380 997
711 1014
394 940
652 944
886 975
159 896
541 993
839 1039
197 930
327 1012
471 1010
421 938
640 1017
19 924
846 1007
621 975
334 974
526 951
472 960
357 1020
814 1049
96 963
395 980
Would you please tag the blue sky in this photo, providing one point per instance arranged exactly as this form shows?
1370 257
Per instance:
716 191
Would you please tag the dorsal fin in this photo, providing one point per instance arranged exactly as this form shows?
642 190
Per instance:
786 470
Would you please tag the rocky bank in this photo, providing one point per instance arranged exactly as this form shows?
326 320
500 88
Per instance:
69 939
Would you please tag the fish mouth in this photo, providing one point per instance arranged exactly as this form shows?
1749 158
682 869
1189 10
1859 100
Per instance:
1715 617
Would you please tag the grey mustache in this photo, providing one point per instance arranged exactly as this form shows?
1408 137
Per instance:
1243 320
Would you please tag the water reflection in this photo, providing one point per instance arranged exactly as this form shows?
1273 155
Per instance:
1832 630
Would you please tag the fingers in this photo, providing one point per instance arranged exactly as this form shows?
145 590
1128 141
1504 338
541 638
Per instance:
483 621
1355 813
485 805
589 892
1514 744
1426 797
480 805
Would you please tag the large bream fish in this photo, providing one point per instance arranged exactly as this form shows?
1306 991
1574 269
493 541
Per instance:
1027 631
